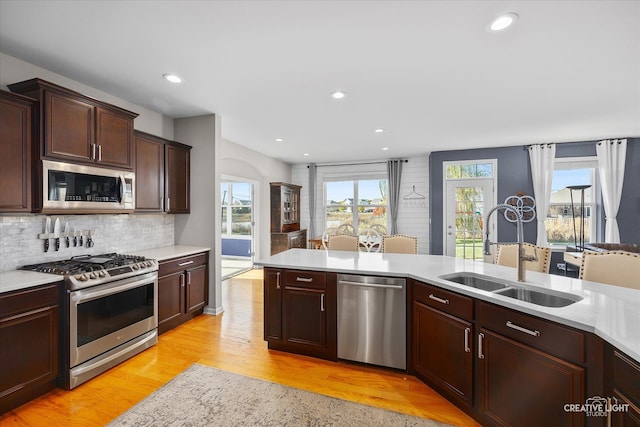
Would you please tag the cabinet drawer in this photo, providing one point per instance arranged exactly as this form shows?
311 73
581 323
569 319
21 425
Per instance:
545 335
28 299
309 279
180 264
449 302
626 376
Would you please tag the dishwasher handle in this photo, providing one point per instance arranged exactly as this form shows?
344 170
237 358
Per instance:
370 285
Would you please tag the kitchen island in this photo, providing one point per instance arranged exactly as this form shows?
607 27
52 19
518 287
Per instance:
464 341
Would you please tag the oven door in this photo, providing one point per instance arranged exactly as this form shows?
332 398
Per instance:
106 316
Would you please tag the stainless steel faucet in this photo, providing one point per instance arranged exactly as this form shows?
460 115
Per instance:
522 257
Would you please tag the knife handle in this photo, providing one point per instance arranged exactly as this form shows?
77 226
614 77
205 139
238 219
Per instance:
46 245
57 244
66 241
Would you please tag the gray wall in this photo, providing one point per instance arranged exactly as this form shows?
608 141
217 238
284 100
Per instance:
514 174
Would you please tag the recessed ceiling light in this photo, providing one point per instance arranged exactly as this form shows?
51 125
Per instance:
305 154
379 130
338 94
279 139
385 148
503 22
173 78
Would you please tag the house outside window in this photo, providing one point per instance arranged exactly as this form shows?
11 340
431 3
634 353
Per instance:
360 203
562 229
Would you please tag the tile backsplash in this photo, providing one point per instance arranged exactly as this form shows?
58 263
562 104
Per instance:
19 243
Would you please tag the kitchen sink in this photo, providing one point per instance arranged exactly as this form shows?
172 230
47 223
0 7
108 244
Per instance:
508 289
475 281
539 298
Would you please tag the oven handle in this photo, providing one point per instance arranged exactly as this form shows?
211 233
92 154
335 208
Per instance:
111 288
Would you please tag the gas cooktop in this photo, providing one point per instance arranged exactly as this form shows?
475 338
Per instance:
90 270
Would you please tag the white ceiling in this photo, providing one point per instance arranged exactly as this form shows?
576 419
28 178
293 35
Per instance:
426 71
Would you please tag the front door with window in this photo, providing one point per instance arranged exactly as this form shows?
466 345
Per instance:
467 203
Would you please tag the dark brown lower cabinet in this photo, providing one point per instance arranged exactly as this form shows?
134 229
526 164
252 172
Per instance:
442 351
281 242
623 389
29 344
521 386
300 312
183 289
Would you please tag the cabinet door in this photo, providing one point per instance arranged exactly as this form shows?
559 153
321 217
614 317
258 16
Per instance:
304 316
196 288
177 179
149 168
15 153
442 350
69 128
521 386
114 137
272 304
170 297
30 362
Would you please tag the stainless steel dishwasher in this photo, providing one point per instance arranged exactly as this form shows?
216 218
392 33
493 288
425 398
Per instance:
372 320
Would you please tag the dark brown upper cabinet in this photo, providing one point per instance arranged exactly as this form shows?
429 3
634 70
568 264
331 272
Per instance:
77 128
16 135
162 170
177 177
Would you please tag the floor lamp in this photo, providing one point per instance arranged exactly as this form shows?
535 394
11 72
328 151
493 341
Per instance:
580 188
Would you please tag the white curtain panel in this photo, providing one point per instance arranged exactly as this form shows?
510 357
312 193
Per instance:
542 158
612 154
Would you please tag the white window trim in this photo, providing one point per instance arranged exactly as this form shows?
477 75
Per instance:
365 176
584 162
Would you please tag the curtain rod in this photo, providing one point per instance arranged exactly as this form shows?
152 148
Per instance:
358 163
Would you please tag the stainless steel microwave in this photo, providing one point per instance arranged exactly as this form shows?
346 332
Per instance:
86 189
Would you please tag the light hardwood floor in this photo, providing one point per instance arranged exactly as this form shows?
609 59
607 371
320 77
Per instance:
233 342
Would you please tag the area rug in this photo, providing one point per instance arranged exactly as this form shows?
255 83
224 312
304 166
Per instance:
205 396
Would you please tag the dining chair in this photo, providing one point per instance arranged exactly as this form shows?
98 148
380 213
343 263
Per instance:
346 229
381 229
618 268
400 244
369 240
508 256
342 242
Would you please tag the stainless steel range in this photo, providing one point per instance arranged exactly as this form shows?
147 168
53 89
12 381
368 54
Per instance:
111 311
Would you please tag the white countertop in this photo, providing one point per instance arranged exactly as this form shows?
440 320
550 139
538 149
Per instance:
611 312
169 252
16 280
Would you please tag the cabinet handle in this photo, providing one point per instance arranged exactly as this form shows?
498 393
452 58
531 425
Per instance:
188 277
182 280
93 151
521 329
467 332
99 153
435 298
609 412
277 280
480 340
185 263
162 203
322 302
168 204
304 279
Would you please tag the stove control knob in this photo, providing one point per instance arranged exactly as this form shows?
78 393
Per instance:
102 273
135 266
82 277
93 275
148 263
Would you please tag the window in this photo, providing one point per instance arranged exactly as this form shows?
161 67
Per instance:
236 208
360 203
562 229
